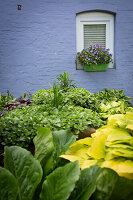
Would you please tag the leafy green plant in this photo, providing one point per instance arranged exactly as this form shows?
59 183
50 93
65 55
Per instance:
5 99
64 81
81 97
19 126
57 96
115 95
42 96
25 169
73 96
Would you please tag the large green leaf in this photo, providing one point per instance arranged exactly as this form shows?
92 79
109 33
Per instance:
25 168
60 183
86 184
43 144
105 184
44 149
62 140
123 189
8 185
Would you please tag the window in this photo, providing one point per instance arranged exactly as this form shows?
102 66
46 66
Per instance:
95 28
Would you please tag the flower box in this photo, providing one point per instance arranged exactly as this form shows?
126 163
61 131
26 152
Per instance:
95 58
94 68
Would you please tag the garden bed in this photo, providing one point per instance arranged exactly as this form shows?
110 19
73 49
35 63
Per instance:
50 125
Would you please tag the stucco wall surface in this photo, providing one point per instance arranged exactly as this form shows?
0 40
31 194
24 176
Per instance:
39 42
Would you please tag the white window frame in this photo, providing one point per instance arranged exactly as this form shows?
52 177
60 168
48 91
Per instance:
94 17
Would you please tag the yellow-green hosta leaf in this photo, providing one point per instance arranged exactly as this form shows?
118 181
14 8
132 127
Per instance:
107 130
117 120
118 134
124 146
130 126
118 152
87 141
80 148
71 158
97 149
121 166
80 153
129 116
87 163
127 175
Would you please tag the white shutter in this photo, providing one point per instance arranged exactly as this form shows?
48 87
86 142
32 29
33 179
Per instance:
94 34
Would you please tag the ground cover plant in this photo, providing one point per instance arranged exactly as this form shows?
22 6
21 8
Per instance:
47 176
19 126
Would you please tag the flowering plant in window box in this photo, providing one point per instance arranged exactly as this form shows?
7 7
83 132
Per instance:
95 58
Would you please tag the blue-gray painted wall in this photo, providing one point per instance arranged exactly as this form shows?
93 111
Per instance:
39 42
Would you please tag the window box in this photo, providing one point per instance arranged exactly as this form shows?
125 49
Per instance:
94 68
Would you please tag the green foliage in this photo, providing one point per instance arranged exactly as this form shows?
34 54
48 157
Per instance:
57 96
81 97
73 96
22 178
105 185
122 189
24 95
86 184
19 126
60 183
8 185
115 95
42 97
5 99
43 144
62 140
65 82
50 145
25 168
113 102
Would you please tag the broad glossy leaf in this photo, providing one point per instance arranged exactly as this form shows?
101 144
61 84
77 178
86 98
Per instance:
8 185
43 144
62 140
105 184
44 148
60 183
86 184
123 189
25 168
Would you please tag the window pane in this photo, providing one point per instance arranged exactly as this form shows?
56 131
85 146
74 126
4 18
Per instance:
94 34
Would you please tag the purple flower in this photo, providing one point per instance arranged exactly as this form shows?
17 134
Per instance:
104 57
110 55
